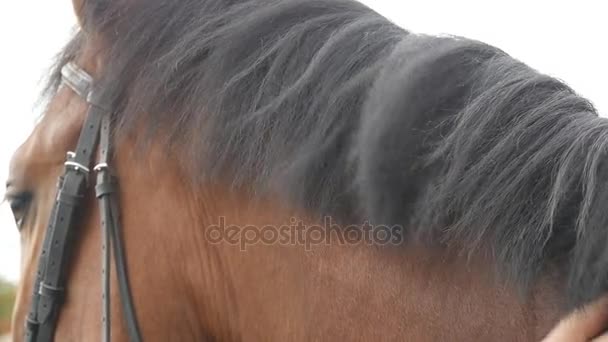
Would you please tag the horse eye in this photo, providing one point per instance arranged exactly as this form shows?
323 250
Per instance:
19 203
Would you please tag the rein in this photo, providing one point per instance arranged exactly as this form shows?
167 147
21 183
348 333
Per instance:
50 282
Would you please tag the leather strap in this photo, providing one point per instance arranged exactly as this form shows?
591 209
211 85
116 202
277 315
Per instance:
123 279
103 191
106 192
50 281
50 284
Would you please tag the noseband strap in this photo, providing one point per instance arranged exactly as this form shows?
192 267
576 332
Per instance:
50 282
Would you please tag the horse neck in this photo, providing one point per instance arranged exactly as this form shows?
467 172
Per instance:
361 292
286 291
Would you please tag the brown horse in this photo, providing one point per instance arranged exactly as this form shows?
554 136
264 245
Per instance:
306 170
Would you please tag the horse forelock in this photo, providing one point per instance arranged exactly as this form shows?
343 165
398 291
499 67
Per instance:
345 114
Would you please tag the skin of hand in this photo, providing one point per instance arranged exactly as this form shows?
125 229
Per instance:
584 325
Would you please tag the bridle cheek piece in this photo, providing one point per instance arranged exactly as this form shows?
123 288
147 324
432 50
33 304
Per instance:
50 282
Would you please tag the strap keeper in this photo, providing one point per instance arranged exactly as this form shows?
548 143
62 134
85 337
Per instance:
51 292
31 325
105 188
69 199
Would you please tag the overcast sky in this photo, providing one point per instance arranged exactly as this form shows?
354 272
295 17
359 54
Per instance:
565 39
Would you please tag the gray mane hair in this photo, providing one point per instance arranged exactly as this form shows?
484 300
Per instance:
340 112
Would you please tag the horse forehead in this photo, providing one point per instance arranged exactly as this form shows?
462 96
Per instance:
55 134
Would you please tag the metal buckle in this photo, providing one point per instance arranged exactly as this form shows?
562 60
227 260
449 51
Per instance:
100 167
76 165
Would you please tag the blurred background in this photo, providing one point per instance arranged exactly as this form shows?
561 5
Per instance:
31 33
562 38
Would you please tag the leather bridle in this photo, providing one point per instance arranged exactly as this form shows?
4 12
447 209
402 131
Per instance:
50 283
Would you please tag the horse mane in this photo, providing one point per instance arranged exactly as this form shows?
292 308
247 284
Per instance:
345 114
